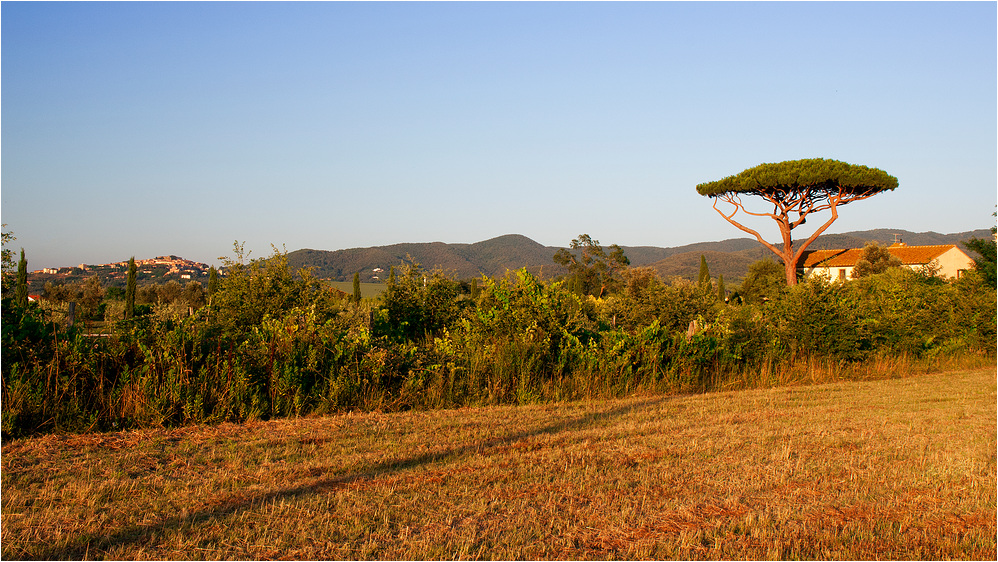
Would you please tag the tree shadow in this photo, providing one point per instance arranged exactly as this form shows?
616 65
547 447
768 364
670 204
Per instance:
95 545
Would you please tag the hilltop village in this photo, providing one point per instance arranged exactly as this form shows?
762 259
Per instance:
161 268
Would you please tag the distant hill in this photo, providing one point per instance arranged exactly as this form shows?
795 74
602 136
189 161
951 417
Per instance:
490 257
730 258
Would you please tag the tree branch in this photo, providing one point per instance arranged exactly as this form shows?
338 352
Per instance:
833 205
736 200
745 228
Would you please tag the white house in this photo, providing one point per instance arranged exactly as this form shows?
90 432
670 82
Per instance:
951 261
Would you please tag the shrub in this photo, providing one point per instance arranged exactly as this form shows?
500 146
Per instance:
814 318
276 342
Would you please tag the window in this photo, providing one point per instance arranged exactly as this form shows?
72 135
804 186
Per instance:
842 274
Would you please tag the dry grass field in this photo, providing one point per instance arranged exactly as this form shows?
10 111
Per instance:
896 469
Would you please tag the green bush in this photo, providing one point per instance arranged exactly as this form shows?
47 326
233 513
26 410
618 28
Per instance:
275 342
814 318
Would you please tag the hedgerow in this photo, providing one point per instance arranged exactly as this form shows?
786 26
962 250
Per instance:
272 342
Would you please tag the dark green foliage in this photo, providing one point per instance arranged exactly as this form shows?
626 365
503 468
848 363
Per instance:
6 262
130 289
875 259
55 292
26 330
212 281
148 294
21 293
28 345
90 300
912 313
194 295
356 287
417 305
722 295
169 292
703 279
680 304
820 174
643 291
764 282
815 319
591 271
985 265
646 299
266 287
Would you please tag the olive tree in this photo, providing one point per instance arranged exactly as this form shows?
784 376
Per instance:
592 271
794 190
90 296
875 259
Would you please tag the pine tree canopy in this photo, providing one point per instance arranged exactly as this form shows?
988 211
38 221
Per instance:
817 174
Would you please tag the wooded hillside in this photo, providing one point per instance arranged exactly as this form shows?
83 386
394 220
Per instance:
493 257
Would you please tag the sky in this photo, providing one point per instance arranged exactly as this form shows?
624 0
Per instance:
145 129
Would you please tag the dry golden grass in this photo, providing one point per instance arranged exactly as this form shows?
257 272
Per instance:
898 469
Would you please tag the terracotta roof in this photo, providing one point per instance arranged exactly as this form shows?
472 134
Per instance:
831 258
909 255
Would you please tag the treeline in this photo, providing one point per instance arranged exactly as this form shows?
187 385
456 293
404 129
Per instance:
97 303
267 341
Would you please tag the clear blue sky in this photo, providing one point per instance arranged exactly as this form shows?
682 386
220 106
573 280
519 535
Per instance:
176 128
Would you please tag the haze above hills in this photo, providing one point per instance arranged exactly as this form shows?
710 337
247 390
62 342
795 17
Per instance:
730 258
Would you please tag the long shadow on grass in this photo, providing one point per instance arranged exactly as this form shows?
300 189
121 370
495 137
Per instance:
95 545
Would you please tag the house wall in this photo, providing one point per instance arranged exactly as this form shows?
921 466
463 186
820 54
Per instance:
832 273
953 263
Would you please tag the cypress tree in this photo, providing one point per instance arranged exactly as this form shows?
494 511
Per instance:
212 281
22 281
704 279
130 289
474 288
720 288
391 276
356 287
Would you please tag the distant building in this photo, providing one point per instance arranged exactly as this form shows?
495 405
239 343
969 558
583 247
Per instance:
951 261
